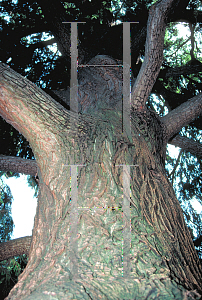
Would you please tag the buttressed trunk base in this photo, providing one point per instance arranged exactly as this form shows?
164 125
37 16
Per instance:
117 249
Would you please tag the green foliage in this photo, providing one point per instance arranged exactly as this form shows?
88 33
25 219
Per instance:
33 184
185 172
9 271
187 183
6 221
13 143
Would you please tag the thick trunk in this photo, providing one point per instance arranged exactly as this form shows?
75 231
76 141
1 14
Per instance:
141 250
120 234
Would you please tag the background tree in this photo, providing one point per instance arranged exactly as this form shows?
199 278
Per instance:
9 269
99 34
6 222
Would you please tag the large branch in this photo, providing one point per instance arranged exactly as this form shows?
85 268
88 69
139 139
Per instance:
173 100
153 53
188 15
31 111
18 165
187 144
15 247
183 70
182 115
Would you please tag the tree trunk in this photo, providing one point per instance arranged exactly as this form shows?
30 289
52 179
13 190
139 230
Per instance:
141 250
117 230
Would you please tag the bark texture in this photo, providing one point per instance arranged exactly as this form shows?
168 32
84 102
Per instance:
18 165
162 253
112 243
153 53
15 247
187 144
182 115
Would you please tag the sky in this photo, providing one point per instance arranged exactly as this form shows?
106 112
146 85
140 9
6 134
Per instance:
23 205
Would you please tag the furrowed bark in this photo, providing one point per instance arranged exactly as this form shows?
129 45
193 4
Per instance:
182 115
15 247
183 70
18 165
153 53
187 144
32 112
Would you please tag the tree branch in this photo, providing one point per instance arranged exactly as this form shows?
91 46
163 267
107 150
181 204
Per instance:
192 27
15 247
54 18
31 111
32 25
153 53
186 144
173 100
18 165
61 32
182 115
175 167
183 70
41 44
188 15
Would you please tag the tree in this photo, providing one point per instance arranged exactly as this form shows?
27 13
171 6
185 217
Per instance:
6 222
78 248
9 270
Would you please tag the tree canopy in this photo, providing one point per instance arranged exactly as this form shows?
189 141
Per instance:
36 44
